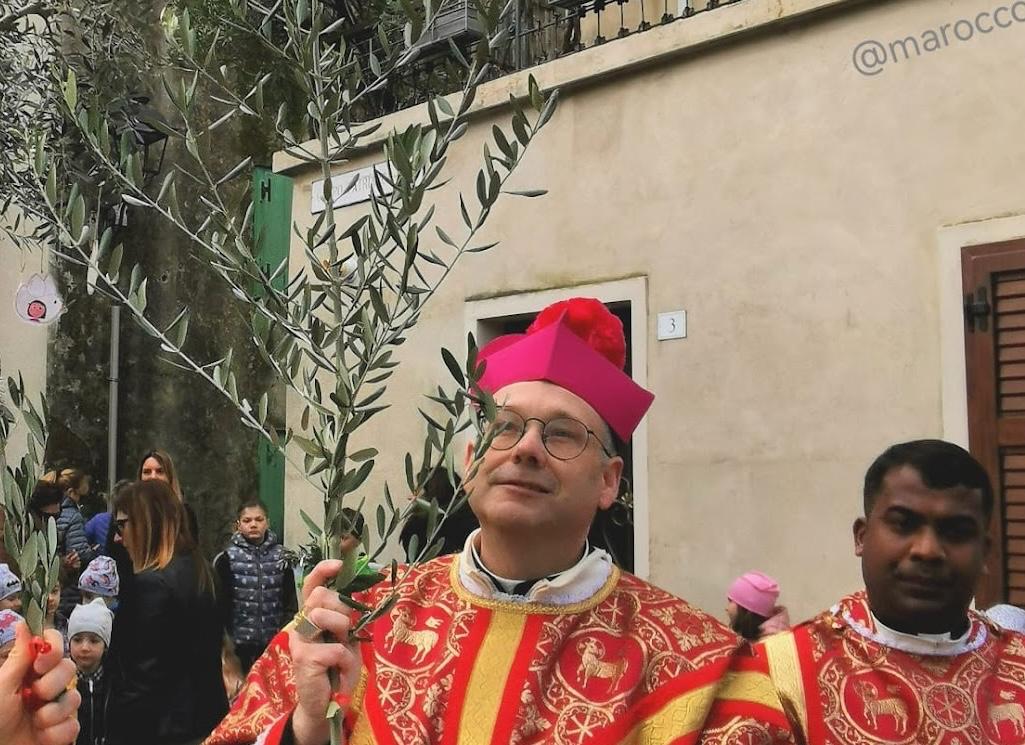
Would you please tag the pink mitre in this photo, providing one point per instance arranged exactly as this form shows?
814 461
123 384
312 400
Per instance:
579 345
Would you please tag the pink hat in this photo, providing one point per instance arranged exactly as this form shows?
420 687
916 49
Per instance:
579 345
756 592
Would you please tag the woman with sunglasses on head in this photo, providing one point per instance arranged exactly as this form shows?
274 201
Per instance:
166 644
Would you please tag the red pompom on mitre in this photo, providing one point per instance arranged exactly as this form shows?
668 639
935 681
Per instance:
589 319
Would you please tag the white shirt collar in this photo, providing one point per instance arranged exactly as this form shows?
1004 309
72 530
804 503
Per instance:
574 585
938 645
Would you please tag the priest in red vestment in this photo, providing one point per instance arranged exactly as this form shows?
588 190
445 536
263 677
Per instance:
529 635
906 660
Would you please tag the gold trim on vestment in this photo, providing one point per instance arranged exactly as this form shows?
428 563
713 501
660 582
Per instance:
359 692
488 677
687 713
362 732
750 688
785 669
680 716
527 608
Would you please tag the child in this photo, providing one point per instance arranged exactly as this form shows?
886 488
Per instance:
258 587
89 630
53 618
100 580
752 608
8 620
10 589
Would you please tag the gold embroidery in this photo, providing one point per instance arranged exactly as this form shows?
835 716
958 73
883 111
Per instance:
750 688
1016 647
532 721
362 733
434 702
360 691
685 714
593 664
402 632
488 678
876 707
679 717
1008 711
689 640
785 670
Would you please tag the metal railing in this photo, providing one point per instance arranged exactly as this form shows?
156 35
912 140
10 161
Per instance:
540 31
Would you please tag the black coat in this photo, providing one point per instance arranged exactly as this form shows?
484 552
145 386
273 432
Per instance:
166 654
92 712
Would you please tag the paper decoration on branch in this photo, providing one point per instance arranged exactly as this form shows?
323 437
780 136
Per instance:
38 300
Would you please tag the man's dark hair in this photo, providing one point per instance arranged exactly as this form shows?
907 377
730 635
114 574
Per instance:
250 504
44 495
942 465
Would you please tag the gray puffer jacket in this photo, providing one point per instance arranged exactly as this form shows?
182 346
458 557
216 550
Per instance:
71 534
257 589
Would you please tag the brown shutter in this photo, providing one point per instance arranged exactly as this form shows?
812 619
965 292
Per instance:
994 276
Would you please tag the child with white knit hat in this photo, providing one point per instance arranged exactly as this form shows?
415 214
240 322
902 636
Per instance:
89 629
10 589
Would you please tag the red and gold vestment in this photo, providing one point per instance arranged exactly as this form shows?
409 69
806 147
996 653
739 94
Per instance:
844 679
630 664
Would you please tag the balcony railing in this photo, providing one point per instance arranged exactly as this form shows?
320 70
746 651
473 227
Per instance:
540 31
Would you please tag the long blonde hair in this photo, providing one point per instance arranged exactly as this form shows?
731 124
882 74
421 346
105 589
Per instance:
157 529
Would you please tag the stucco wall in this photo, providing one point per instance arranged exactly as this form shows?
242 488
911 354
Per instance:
791 205
22 346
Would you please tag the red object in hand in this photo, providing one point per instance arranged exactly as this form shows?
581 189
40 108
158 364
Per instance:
30 698
343 700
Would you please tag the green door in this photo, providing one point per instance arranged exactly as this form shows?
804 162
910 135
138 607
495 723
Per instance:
272 228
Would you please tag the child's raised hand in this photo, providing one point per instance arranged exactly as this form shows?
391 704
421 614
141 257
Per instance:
22 720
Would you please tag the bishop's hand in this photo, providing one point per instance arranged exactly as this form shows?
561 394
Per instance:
313 656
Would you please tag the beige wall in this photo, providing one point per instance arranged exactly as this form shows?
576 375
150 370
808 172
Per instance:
791 205
22 346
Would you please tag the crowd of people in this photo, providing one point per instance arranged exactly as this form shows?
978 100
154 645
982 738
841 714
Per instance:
149 624
524 632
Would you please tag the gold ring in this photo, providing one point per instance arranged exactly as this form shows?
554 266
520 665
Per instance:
306 628
72 685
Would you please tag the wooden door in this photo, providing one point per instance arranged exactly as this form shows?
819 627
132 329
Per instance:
993 278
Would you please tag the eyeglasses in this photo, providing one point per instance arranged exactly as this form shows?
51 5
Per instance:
119 525
564 438
44 514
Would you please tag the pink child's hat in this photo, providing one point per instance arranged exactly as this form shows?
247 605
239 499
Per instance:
756 592
577 344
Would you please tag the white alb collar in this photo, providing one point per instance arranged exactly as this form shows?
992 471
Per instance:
937 645
574 585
